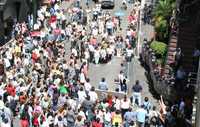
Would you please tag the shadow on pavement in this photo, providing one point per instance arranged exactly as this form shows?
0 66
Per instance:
149 80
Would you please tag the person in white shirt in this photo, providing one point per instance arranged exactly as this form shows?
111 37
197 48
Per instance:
5 123
117 103
87 85
93 95
96 55
95 31
107 118
129 54
74 52
58 121
109 27
103 55
125 105
109 52
82 78
81 95
7 63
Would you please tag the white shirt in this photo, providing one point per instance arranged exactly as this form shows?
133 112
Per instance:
91 48
95 32
87 55
81 96
117 104
93 96
107 116
74 52
72 103
26 61
125 104
81 113
82 78
129 52
7 62
109 25
5 124
56 7
9 55
87 86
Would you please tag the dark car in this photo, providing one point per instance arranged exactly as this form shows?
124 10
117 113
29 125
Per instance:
107 3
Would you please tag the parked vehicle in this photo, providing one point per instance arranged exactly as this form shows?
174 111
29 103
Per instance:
107 4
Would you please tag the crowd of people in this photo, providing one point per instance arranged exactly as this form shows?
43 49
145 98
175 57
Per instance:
43 85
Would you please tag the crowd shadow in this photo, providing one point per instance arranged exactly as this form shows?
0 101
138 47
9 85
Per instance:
149 80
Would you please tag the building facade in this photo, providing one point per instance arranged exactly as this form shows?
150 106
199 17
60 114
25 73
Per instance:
13 11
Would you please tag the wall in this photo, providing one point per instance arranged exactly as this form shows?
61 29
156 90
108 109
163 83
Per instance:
162 85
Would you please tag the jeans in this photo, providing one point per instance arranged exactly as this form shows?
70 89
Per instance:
137 96
140 124
107 124
109 30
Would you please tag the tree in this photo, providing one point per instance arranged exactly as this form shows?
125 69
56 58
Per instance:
162 14
164 8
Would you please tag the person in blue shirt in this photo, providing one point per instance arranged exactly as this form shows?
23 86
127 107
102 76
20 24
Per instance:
141 115
147 104
129 117
137 90
103 85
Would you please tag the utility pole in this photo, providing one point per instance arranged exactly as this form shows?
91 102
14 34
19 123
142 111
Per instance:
197 117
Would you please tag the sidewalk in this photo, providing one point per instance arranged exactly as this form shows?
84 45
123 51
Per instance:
145 31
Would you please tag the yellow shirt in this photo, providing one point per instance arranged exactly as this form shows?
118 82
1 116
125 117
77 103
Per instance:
17 49
117 119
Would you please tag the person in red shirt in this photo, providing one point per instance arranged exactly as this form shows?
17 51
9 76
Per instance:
10 89
110 100
97 123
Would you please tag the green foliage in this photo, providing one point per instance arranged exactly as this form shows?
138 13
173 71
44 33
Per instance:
159 48
161 28
162 14
164 8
